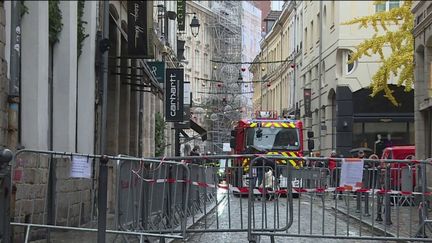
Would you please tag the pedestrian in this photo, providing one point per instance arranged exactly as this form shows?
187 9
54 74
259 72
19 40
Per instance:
332 166
360 154
262 165
195 152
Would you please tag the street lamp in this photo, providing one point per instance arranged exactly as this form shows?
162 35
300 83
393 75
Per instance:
195 25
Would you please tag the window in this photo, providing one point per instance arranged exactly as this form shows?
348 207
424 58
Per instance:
381 7
325 16
311 36
306 39
273 138
206 64
388 5
196 61
317 29
323 71
205 34
349 66
393 4
396 133
332 14
187 53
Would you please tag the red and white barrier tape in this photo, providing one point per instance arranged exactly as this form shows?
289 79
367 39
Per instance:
245 190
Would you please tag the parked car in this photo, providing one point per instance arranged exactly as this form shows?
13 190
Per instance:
402 177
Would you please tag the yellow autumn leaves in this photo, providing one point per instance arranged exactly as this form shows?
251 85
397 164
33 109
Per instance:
400 62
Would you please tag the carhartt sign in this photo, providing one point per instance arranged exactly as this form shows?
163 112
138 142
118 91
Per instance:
174 94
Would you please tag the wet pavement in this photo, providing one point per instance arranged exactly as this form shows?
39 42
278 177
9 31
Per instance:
312 215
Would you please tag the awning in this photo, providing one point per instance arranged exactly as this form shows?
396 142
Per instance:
194 126
199 129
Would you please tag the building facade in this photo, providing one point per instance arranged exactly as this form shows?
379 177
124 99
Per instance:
60 91
251 36
198 51
265 7
423 82
273 68
342 115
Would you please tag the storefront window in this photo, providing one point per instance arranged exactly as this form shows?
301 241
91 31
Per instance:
365 134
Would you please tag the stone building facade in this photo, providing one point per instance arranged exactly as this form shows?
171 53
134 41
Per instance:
4 82
61 103
423 82
342 114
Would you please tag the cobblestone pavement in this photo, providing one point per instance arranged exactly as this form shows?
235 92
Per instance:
404 215
313 215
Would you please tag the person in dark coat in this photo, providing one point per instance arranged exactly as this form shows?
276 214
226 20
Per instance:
195 152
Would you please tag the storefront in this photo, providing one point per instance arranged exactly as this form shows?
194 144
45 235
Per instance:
374 123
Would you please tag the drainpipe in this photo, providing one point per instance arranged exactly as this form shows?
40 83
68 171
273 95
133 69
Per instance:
280 81
295 55
103 49
14 134
320 78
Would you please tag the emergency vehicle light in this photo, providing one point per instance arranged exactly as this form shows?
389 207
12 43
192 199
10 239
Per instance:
266 114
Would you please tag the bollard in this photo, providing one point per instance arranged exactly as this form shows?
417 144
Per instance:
423 205
379 198
379 208
387 208
5 194
102 198
366 194
358 200
366 204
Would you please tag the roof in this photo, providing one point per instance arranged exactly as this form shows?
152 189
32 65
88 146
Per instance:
273 15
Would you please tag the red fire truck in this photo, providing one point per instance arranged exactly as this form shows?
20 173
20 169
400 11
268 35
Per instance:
267 134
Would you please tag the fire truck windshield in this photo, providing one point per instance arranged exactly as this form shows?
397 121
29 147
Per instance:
273 138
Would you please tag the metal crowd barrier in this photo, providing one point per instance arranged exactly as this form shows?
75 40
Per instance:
391 204
62 195
175 197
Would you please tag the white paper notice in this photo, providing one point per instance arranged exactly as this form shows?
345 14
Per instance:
81 167
351 173
226 147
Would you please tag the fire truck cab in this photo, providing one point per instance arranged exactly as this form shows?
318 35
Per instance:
267 134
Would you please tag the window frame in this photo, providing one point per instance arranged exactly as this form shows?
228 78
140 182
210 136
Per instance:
346 55
387 5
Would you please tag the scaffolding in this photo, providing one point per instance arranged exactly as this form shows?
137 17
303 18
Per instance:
225 96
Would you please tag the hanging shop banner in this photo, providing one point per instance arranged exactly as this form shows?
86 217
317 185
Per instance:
181 14
174 81
307 102
139 22
158 70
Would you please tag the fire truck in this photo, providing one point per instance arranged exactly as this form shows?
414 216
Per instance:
267 134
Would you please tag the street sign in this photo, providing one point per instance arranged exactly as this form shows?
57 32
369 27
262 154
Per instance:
158 70
174 94
181 14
